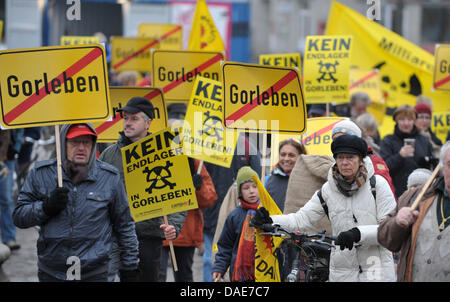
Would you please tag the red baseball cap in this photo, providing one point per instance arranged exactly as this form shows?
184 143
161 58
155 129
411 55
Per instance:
79 130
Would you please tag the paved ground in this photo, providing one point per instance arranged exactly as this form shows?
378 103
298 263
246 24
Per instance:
21 266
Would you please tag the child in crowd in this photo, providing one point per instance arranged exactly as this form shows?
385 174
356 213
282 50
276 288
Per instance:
237 241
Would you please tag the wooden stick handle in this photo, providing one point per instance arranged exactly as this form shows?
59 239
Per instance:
425 187
200 165
172 252
58 156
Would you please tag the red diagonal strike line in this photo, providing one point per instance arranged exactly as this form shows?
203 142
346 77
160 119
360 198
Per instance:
36 97
254 103
367 77
106 125
442 82
146 47
103 127
320 132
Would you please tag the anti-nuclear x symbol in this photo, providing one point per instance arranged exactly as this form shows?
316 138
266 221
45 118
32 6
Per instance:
212 126
327 70
158 177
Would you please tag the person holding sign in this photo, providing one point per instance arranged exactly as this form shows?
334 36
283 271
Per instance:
137 117
355 211
422 236
237 241
77 220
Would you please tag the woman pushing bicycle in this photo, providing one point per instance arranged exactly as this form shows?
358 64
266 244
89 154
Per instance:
356 202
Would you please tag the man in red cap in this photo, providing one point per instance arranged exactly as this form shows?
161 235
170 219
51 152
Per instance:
423 124
77 220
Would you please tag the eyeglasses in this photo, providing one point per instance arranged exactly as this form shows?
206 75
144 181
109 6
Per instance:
341 158
77 142
424 116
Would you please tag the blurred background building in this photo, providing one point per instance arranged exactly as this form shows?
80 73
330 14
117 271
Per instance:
248 27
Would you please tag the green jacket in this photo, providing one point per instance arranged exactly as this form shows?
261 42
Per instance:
148 228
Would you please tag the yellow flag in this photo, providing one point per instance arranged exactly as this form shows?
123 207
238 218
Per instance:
266 264
204 34
406 70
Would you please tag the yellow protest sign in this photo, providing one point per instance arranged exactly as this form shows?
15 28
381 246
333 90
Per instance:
108 131
406 70
132 53
368 81
169 36
53 85
263 98
203 135
157 176
175 71
266 263
317 139
77 40
204 35
440 124
326 69
441 78
282 59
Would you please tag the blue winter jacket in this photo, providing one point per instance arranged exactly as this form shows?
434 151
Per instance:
97 205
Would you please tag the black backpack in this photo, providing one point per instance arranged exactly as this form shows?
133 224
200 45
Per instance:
373 183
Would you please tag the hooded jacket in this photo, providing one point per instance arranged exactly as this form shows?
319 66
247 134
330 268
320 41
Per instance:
368 262
149 228
97 206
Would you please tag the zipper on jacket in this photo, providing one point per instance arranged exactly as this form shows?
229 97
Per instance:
72 218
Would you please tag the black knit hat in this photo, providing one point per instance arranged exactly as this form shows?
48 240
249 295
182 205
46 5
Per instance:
137 104
349 144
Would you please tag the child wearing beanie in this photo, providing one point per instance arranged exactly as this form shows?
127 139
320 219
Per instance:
237 241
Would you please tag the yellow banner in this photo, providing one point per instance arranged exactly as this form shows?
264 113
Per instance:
175 71
54 85
1 30
203 134
78 40
157 176
204 35
441 78
108 132
368 81
266 263
326 69
406 70
132 53
170 36
263 98
282 59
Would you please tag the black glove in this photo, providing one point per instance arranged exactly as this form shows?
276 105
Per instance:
129 276
348 238
261 217
57 201
428 162
197 179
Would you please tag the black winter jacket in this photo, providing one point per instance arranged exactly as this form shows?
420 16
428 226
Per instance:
400 167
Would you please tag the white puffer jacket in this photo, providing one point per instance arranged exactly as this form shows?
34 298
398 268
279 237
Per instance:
368 262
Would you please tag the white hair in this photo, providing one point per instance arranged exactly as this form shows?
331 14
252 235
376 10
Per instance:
444 150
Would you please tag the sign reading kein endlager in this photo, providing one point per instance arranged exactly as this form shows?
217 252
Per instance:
282 59
132 53
170 36
326 69
157 176
175 71
53 85
78 40
204 136
108 131
263 98
441 77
